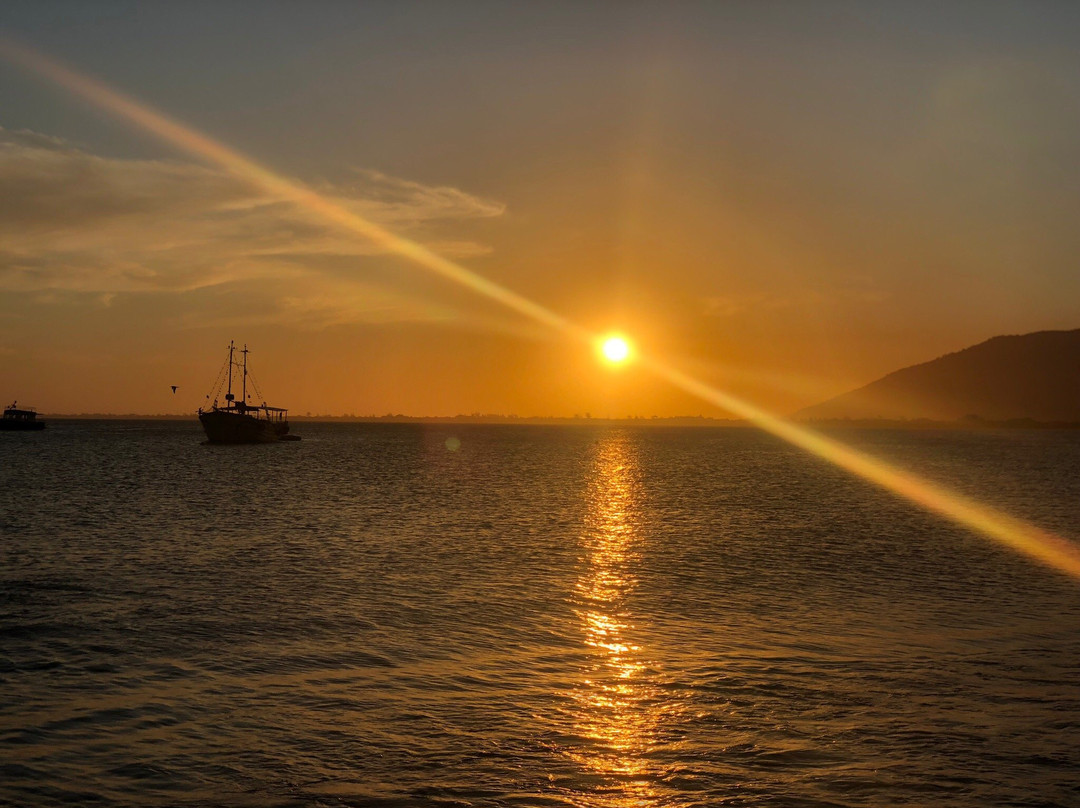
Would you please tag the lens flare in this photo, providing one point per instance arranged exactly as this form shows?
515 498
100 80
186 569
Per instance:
1032 541
1041 545
317 206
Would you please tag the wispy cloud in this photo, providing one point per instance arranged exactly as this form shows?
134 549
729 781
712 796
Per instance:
391 200
72 221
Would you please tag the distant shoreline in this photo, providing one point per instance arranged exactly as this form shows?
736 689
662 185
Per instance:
426 419
968 424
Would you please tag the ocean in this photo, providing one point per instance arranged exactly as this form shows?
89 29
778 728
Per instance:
471 615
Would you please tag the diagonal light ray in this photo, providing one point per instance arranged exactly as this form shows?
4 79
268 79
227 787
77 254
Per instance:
1024 537
275 185
1016 534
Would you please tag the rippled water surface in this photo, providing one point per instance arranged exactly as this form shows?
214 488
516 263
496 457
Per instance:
536 616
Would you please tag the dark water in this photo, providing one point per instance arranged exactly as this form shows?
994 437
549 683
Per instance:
546 616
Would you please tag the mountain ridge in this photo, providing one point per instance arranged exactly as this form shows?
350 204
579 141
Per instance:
1007 377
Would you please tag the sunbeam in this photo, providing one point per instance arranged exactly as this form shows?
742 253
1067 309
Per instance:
1009 531
205 148
1045 547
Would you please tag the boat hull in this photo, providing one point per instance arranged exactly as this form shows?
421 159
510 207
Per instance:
232 427
10 425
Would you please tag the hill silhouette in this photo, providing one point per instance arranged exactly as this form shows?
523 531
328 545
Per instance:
1028 376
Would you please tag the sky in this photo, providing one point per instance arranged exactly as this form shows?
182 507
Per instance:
782 200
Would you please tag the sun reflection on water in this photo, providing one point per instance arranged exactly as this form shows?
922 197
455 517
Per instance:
617 699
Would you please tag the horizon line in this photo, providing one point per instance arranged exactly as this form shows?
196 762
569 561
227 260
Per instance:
967 424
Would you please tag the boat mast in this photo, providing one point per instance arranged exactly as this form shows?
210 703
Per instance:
228 393
245 353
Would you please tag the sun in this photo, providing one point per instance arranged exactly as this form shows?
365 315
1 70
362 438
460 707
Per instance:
615 349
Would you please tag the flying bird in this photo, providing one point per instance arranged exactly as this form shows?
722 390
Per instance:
174 386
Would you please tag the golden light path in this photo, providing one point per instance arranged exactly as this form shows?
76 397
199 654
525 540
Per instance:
1049 549
619 710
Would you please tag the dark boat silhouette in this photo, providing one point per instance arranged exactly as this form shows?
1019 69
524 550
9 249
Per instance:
19 420
238 421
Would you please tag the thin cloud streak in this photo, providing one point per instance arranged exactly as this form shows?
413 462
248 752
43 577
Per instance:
73 221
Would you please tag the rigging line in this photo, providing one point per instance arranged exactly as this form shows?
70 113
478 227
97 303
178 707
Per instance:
255 386
218 381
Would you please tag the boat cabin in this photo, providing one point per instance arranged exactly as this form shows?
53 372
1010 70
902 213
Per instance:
12 413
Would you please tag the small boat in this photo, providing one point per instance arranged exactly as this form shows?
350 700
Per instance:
16 419
238 421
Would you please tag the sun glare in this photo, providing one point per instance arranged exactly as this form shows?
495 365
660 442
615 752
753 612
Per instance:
615 349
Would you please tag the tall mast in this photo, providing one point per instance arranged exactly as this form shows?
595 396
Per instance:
229 396
245 352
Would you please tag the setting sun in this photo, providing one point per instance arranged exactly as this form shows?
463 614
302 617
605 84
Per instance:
615 349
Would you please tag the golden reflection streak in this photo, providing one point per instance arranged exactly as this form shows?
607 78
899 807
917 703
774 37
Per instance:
1021 536
617 702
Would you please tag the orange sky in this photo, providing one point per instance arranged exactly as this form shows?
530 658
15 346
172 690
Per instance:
784 202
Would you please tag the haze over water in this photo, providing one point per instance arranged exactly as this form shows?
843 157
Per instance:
497 615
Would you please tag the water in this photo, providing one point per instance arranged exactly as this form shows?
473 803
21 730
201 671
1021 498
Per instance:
544 616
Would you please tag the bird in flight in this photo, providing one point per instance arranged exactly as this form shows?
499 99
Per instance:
174 386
